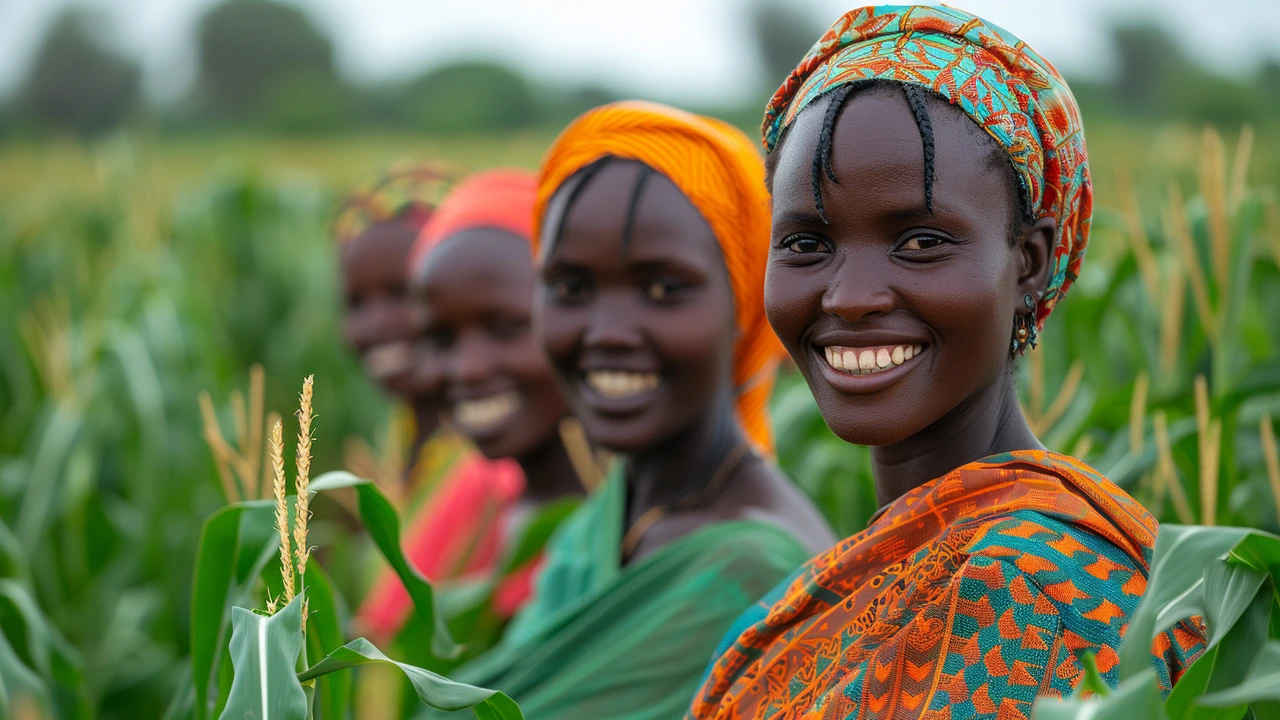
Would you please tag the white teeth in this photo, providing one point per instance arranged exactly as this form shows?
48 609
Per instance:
614 384
485 412
387 359
868 361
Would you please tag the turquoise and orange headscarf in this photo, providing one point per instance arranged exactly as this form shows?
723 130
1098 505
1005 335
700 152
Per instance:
1007 88
722 174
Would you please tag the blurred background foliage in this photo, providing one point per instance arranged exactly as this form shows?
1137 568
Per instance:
149 253
265 65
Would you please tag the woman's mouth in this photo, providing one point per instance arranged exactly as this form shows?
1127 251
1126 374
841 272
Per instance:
388 359
481 414
620 384
870 360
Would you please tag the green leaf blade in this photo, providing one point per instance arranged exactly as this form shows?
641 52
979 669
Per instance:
264 653
383 525
433 690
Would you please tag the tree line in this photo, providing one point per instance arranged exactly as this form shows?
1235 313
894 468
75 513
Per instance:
265 65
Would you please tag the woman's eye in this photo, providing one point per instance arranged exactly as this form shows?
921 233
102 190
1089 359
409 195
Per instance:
567 289
922 242
660 290
803 244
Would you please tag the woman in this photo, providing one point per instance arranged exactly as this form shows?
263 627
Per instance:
931 200
653 227
472 275
375 230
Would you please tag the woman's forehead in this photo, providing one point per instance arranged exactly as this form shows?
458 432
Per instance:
629 211
877 148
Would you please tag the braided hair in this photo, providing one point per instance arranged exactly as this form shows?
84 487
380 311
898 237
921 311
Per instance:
917 101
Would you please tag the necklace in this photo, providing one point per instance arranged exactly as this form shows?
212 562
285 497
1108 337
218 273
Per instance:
691 501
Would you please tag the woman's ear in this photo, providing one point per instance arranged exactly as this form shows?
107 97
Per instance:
1035 257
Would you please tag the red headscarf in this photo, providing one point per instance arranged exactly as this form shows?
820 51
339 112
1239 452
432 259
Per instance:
501 199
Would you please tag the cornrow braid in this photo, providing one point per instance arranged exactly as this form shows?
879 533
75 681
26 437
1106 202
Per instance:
822 154
916 99
630 223
581 178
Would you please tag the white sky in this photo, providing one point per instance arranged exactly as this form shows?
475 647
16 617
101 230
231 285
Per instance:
673 49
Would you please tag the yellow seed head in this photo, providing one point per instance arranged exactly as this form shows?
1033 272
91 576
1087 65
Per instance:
1138 412
282 508
1272 457
302 482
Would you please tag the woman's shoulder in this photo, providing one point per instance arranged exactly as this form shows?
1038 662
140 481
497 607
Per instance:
765 494
1035 559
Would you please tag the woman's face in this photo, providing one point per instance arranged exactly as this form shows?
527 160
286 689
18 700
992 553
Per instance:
483 363
635 308
896 315
380 318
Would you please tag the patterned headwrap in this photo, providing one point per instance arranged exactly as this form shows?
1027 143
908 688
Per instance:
1007 88
721 173
501 199
407 192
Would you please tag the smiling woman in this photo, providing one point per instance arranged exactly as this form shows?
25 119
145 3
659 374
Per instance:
653 227
471 277
932 199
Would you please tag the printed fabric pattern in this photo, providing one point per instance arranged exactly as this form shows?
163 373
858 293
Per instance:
970 596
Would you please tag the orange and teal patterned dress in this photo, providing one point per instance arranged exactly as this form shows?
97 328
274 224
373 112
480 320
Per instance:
969 596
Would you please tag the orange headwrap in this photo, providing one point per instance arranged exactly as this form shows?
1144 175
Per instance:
501 199
721 173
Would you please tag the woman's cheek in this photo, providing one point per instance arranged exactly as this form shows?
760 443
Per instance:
557 332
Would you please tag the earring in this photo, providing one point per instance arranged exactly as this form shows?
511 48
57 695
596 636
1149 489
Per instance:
1025 334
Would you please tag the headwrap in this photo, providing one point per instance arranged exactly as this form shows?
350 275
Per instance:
1007 88
719 171
500 199
408 192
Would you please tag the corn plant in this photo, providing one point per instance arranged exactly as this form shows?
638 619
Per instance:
1227 576
268 652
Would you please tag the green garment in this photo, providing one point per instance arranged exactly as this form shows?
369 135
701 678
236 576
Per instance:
599 640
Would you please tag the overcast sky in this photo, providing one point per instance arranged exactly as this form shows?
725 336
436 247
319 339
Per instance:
673 49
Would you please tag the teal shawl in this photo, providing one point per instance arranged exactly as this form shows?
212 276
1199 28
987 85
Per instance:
603 640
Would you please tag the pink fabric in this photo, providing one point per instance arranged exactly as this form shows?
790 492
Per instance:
468 511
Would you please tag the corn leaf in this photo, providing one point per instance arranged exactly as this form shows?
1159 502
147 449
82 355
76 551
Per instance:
264 653
433 690
324 634
1262 684
1234 642
19 683
536 534
236 543
383 524
1137 698
1175 587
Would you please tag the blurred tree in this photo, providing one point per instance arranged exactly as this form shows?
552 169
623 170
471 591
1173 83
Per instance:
1157 78
561 105
471 96
783 34
77 83
253 51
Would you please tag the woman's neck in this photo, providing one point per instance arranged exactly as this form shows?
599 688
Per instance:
988 422
664 473
426 419
549 473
